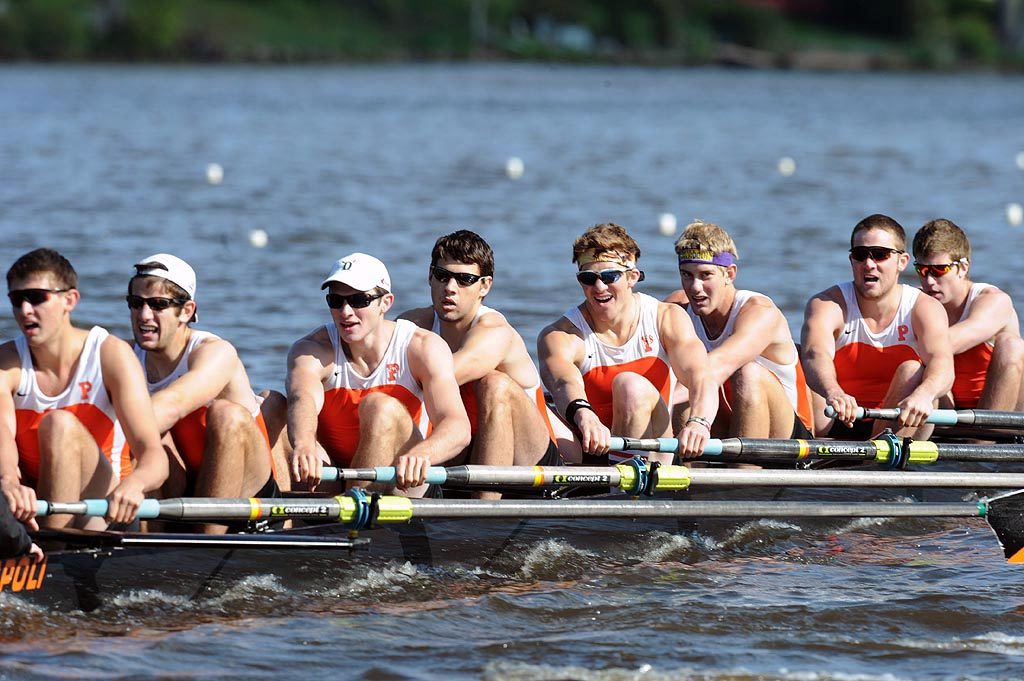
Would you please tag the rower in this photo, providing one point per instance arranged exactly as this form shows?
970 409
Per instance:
361 388
205 407
509 419
873 342
63 393
750 349
609 361
988 353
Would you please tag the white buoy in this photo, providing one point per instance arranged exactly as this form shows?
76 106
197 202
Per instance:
214 173
1014 213
1020 160
787 166
667 224
258 238
514 168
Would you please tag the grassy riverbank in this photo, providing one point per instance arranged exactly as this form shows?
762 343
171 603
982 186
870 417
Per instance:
840 34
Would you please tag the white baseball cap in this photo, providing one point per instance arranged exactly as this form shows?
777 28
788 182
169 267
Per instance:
360 271
171 268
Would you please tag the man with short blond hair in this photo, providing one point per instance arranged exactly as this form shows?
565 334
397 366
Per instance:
610 361
201 394
873 342
63 393
988 352
750 349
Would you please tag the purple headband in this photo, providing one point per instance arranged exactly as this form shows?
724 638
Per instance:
706 257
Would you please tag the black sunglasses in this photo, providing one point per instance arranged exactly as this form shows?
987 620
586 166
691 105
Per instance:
155 304
34 296
356 301
876 253
461 278
609 277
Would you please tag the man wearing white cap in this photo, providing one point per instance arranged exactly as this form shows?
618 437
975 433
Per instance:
201 394
66 395
361 388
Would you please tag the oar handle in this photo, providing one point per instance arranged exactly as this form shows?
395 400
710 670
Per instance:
150 508
669 445
436 475
938 417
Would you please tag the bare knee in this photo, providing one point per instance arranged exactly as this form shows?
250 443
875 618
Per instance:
495 385
378 405
631 391
227 416
1009 349
908 371
748 384
59 424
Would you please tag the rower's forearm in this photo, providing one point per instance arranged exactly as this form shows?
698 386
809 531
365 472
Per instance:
151 470
938 379
302 423
445 443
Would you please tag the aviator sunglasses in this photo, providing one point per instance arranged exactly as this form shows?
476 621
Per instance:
356 301
34 296
936 271
155 304
463 279
876 253
608 277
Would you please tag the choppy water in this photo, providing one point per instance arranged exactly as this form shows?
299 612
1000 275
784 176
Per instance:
107 164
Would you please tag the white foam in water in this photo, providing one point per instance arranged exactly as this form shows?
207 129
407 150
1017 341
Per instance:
766 526
550 553
995 642
661 546
390 579
518 671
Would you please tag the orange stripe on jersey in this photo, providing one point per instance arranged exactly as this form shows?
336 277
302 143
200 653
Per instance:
804 410
865 371
189 435
970 368
26 436
598 383
468 392
542 405
338 423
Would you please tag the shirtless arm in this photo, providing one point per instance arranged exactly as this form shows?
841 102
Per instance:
20 498
309 362
211 366
689 361
483 350
432 366
989 315
122 374
823 320
931 326
753 332
560 351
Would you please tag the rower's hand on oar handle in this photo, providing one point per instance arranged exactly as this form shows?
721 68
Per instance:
914 410
306 466
411 469
845 407
693 437
123 503
595 437
21 499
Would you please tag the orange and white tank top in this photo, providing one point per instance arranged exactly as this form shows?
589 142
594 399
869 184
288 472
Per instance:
344 389
865 361
970 367
642 354
85 396
535 392
189 433
790 376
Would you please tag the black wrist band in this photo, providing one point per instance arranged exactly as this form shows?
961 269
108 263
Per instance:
572 408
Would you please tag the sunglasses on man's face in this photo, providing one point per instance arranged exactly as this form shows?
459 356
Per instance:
936 271
876 253
154 304
463 279
33 296
609 277
356 301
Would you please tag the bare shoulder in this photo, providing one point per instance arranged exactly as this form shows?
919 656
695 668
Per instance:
995 295
10 365
116 349
316 343
424 341
422 317
678 297
560 327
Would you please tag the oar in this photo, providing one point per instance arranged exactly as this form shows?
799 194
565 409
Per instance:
887 450
1005 513
638 477
948 417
